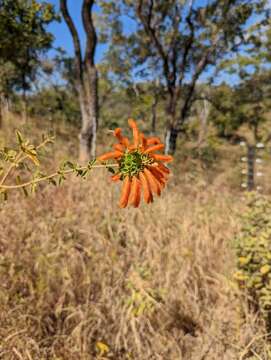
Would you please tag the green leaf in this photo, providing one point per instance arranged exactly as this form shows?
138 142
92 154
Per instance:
19 136
52 181
110 169
68 164
4 195
265 269
34 159
18 180
25 191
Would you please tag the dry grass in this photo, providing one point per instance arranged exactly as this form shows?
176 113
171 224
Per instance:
150 283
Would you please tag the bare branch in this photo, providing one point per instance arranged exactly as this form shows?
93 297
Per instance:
146 22
187 46
90 31
75 38
202 64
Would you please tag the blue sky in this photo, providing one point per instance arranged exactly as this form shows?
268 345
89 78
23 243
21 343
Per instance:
63 38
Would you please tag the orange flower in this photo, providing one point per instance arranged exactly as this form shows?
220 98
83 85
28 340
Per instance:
139 166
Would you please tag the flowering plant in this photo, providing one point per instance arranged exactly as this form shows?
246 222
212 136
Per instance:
137 164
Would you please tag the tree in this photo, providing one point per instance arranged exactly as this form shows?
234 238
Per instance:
86 77
240 115
23 40
244 106
184 39
8 77
203 109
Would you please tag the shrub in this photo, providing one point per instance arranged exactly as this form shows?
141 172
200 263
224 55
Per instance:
207 155
254 255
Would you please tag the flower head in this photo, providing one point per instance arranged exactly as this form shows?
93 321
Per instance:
140 167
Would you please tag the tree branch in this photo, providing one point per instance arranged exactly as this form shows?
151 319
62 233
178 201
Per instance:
75 38
146 22
204 61
188 46
90 31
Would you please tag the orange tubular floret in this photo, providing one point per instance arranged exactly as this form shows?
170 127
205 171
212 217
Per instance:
117 133
133 125
122 140
125 141
110 155
115 177
146 188
154 148
143 142
163 168
158 175
126 188
132 147
153 182
153 140
157 170
118 147
135 192
165 158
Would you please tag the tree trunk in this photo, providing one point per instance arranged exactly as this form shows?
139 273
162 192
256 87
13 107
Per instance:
93 105
203 130
1 110
24 107
171 140
85 136
154 115
88 95
86 78
24 98
171 132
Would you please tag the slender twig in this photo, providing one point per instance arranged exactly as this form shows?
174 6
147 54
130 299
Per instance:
247 348
12 165
51 176
19 158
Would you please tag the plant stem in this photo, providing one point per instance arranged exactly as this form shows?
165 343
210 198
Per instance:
19 158
12 165
51 176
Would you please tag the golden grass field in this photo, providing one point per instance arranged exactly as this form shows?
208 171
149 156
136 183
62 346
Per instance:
82 279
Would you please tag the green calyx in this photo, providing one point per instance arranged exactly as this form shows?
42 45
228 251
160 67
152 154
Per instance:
132 163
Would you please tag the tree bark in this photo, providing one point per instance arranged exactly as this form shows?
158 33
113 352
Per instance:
1 111
89 110
24 107
86 79
154 114
203 129
171 140
171 129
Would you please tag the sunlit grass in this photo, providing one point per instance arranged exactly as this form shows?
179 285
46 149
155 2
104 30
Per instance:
82 279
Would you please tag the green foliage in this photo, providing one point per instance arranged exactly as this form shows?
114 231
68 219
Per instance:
8 77
55 103
254 255
257 55
23 28
22 162
246 104
206 154
177 41
24 37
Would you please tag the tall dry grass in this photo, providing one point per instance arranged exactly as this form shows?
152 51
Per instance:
82 279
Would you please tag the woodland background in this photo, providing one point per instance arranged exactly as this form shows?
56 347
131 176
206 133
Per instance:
186 277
